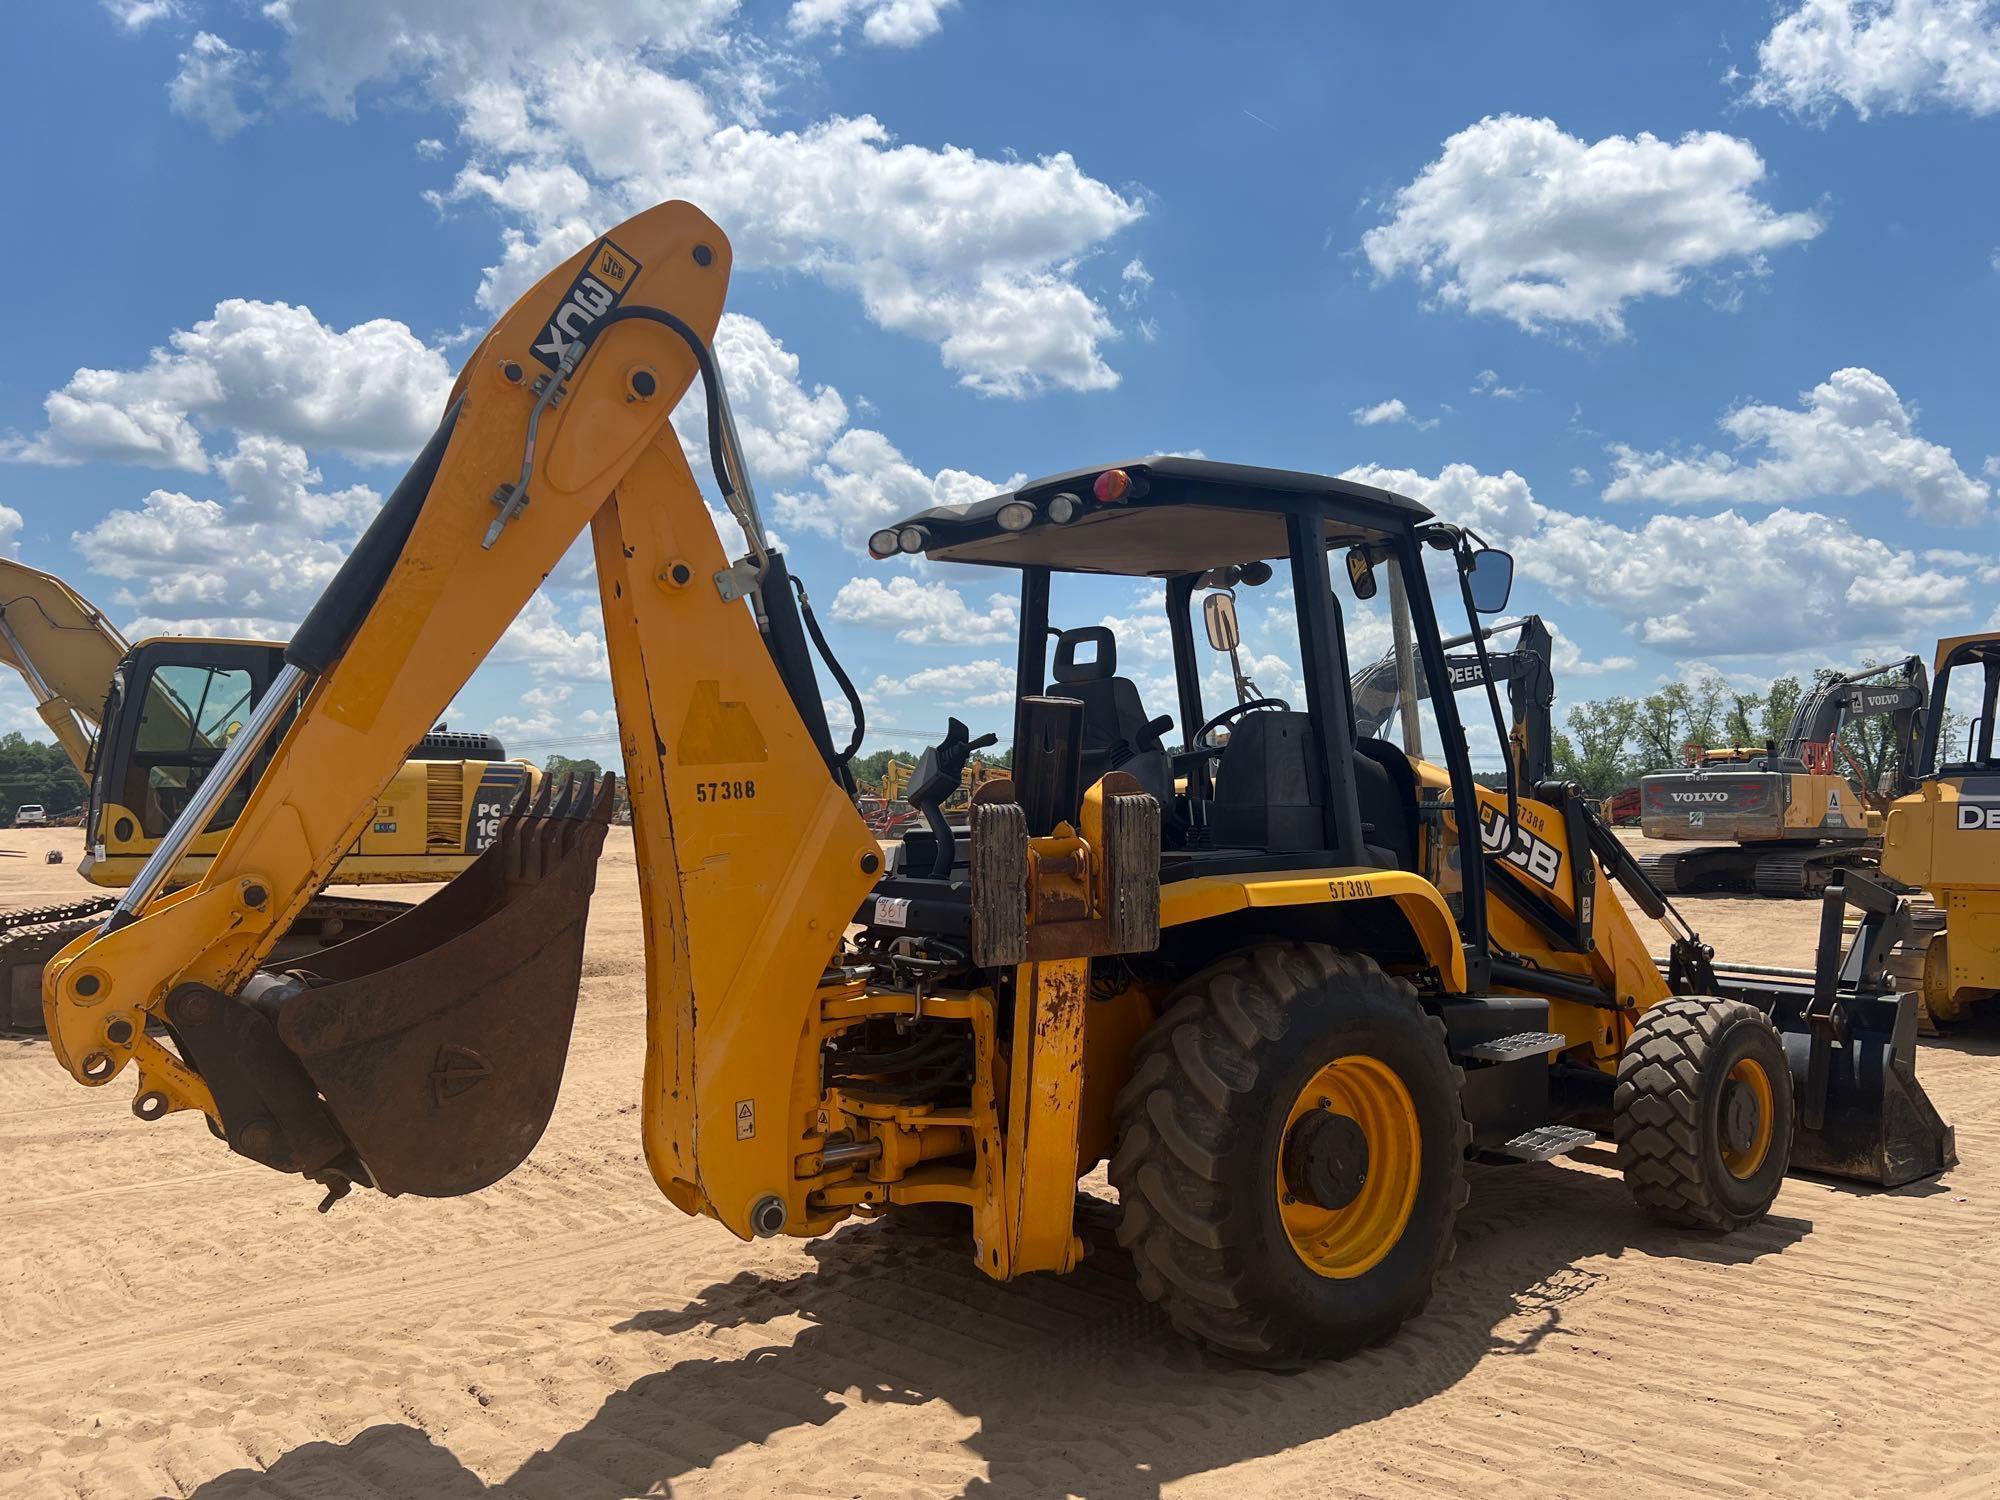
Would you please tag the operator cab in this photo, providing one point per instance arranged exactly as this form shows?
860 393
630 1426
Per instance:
1248 777
1965 699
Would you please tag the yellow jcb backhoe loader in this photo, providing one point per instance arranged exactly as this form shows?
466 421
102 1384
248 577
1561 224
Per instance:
1944 838
144 724
1284 977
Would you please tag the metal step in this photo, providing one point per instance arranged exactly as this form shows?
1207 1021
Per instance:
1546 1141
1520 1044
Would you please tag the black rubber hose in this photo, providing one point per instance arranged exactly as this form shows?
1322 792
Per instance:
704 361
839 673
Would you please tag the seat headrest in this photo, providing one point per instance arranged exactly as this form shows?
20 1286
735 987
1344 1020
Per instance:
1104 659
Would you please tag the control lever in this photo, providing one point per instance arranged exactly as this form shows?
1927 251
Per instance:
939 771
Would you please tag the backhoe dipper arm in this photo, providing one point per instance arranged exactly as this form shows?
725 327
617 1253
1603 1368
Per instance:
751 858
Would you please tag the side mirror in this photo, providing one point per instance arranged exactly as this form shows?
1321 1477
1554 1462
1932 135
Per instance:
1218 613
1490 574
1361 573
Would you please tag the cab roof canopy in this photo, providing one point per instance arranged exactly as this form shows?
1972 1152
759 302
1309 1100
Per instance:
1180 515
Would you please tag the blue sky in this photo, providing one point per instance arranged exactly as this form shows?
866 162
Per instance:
1693 306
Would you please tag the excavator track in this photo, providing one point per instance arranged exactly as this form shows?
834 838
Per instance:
29 938
1662 870
1781 872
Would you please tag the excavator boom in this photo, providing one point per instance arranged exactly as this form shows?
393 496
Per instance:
64 649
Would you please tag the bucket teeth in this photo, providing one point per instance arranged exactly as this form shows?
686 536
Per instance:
539 808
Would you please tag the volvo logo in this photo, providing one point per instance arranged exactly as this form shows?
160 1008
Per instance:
1699 796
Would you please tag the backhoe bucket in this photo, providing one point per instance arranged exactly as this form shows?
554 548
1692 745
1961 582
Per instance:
438 1040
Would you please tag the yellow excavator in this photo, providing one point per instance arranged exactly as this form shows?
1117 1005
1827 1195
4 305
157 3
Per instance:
1793 818
145 724
1944 838
1285 978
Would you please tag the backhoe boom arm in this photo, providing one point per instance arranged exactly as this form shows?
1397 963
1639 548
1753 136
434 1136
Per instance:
558 420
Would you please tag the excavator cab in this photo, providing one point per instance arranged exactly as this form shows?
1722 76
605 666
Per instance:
1284 977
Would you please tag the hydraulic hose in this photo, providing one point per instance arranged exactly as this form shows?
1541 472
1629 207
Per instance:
833 665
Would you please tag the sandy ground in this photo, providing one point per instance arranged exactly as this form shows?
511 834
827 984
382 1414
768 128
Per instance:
175 1320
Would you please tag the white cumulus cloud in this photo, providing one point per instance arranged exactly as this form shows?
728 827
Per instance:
211 83
1851 434
925 614
1887 56
1383 413
866 483
137 15
251 564
979 256
1519 219
372 392
1721 585
886 23
1391 410
985 683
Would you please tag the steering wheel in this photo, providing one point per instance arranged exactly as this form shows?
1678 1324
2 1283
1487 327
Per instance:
1200 738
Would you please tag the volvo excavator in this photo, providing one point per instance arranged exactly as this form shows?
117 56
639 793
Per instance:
1286 982
144 724
1795 817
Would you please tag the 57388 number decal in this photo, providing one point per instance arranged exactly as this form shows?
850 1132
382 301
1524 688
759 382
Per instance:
724 791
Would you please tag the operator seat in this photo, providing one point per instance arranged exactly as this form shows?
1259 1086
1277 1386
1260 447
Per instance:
1117 735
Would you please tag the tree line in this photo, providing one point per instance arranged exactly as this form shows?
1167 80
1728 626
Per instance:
35 773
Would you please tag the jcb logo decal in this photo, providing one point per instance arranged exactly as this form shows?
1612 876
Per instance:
1979 816
598 288
1541 859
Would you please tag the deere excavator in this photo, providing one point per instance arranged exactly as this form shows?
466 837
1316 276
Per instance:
1944 838
1795 818
1384 692
1287 982
144 724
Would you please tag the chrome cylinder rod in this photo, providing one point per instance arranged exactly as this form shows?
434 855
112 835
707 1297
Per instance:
210 795
744 502
36 683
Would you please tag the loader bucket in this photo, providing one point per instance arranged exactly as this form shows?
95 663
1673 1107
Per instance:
1862 1113
438 1040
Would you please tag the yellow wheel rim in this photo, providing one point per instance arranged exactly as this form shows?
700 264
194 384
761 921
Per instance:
1350 1240
1749 1074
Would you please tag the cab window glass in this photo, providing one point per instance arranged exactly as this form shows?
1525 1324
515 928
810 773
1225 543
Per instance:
1965 730
193 708
191 714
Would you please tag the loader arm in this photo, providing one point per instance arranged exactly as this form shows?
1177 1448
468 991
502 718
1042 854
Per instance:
65 651
751 858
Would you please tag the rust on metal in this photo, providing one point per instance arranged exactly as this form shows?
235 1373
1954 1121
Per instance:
438 1040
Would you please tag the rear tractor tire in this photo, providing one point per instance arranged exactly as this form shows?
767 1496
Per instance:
1291 1156
1702 1113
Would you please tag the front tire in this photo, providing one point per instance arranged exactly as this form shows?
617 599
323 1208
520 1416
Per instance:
1702 1113
1291 1156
